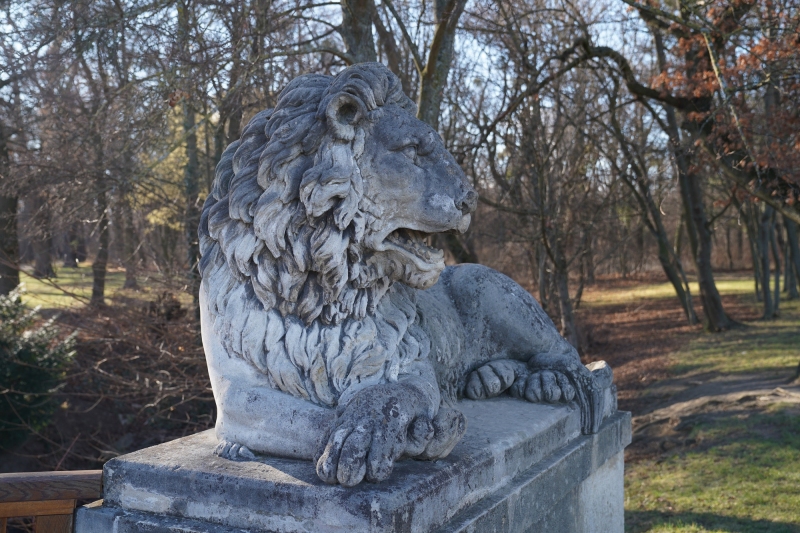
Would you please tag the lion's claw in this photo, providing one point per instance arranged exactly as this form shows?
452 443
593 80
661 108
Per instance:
448 428
366 452
352 466
420 434
493 378
233 451
544 386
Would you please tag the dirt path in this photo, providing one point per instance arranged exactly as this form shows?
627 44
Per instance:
668 425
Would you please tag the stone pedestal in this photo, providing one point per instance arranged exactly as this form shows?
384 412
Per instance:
520 467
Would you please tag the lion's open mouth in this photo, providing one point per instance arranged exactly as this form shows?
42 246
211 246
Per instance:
412 243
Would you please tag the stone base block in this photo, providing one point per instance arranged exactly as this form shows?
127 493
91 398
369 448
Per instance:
520 467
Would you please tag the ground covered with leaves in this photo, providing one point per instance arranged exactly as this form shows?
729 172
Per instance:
138 378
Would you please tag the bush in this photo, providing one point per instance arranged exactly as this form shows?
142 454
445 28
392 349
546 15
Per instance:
32 365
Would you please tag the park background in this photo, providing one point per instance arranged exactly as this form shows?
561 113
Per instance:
639 171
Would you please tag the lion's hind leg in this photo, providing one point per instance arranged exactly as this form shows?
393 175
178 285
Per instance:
494 378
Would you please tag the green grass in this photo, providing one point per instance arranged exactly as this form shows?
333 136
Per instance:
726 284
758 346
72 287
743 477
743 472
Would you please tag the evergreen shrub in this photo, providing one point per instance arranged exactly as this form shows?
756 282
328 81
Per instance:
32 365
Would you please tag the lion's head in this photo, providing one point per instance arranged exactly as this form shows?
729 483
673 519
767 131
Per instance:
327 200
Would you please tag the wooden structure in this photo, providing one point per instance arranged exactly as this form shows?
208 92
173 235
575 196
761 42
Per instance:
49 497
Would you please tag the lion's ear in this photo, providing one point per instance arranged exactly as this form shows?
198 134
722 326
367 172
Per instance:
344 112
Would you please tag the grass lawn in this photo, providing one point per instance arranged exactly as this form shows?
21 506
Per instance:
73 287
759 346
738 284
741 470
743 477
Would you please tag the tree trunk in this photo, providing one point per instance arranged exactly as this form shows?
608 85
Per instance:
793 249
356 30
129 244
790 280
587 260
787 261
751 227
679 235
440 58
569 328
674 275
697 228
219 147
76 246
542 258
777 258
700 241
669 259
739 245
9 243
191 172
763 254
41 238
191 182
100 264
783 253
728 247
81 247
70 259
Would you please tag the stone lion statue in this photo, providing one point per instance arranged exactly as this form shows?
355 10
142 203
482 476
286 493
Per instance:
333 331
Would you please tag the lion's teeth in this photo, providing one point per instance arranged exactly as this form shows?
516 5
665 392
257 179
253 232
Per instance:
414 242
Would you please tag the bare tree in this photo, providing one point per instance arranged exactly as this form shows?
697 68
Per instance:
628 159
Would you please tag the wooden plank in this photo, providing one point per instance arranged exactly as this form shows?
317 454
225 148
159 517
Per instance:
42 508
37 486
2 525
60 523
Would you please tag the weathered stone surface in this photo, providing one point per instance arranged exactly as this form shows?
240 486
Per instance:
576 490
332 330
516 464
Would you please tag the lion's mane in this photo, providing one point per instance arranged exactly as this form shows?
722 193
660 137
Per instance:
288 287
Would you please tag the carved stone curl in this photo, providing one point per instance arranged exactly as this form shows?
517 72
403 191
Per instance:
333 331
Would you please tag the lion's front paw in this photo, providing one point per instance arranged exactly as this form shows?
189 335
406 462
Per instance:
233 451
544 386
379 425
494 378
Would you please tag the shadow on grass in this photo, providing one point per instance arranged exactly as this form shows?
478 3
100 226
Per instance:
643 521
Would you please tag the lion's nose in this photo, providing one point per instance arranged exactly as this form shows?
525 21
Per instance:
468 202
